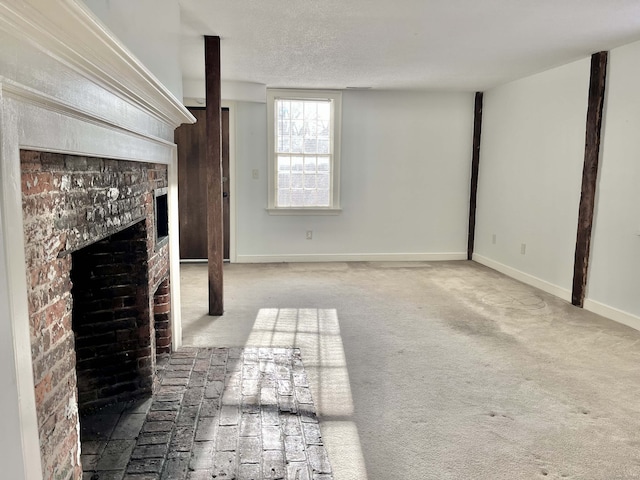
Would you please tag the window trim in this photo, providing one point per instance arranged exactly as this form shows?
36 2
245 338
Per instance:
336 116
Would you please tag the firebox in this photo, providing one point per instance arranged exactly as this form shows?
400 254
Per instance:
110 319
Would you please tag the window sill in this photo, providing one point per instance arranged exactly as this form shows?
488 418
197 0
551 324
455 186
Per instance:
304 211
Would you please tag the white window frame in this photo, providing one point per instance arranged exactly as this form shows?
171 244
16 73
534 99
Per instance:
272 174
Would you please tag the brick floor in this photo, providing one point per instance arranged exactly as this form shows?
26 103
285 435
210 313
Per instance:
231 413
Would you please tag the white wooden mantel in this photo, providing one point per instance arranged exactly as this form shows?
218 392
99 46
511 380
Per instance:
67 85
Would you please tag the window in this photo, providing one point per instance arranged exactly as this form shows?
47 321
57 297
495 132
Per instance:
304 151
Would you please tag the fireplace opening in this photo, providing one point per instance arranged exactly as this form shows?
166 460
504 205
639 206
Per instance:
111 319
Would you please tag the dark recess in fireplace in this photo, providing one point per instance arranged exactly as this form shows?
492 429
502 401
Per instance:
110 319
162 214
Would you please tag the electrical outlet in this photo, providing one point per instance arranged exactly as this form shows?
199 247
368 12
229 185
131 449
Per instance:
309 234
255 174
523 248
493 239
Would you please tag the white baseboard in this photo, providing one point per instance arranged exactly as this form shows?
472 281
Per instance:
543 285
612 313
598 308
352 257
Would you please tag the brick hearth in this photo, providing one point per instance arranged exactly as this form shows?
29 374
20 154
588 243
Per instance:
225 413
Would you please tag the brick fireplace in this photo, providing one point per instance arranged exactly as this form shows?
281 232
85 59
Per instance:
98 278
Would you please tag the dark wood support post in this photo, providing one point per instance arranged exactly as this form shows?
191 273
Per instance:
475 163
595 108
215 242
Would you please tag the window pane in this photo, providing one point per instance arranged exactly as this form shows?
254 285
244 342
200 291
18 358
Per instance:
310 110
297 128
284 175
297 198
323 164
284 163
283 127
296 145
282 108
284 198
297 136
297 180
284 181
310 164
324 131
296 163
310 181
323 181
323 198
310 128
324 111
297 109
310 145
310 198
323 146
284 144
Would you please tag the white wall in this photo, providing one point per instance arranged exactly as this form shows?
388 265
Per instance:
531 160
154 39
614 276
404 183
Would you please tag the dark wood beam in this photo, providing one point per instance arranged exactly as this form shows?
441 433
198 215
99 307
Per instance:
215 242
475 163
595 107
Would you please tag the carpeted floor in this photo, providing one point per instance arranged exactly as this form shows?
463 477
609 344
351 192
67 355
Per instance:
444 370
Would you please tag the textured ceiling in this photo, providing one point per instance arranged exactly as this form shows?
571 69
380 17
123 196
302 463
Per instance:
407 44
